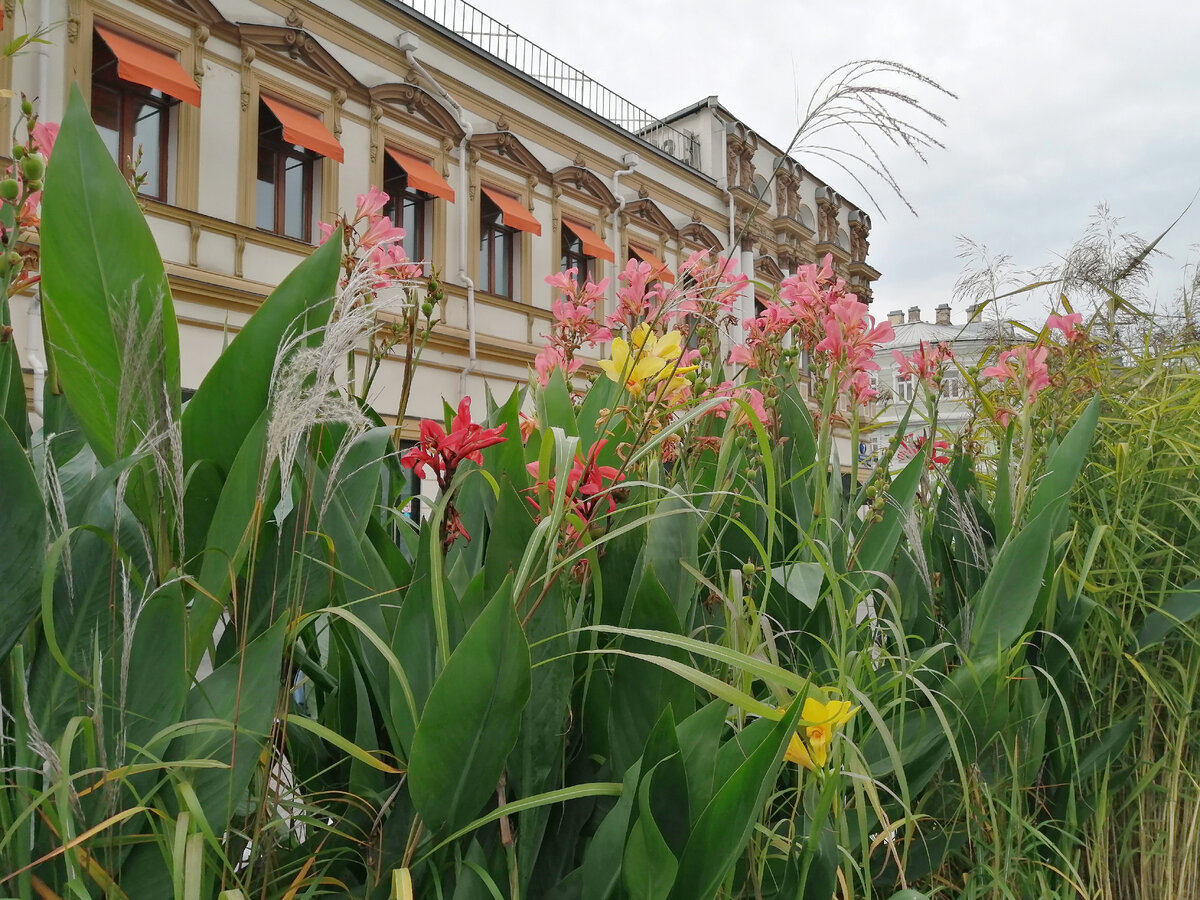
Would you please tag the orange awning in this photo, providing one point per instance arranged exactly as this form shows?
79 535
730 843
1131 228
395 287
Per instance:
592 245
661 272
305 129
422 176
512 213
151 68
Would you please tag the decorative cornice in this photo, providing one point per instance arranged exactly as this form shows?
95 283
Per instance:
305 52
420 104
587 183
648 214
506 149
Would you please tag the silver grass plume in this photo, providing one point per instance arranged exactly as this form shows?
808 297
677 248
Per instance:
309 383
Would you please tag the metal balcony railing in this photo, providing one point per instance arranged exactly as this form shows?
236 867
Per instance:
522 54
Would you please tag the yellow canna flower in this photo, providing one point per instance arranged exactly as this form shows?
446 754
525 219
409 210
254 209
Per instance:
623 368
824 719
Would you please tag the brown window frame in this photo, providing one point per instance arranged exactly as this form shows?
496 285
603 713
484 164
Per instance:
395 185
129 95
572 256
492 231
282 152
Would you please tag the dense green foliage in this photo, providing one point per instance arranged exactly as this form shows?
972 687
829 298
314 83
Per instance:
232 665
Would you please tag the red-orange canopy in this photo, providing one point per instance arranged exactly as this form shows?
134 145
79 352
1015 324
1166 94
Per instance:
151 68
305 129
422 176
592 244
512 213
660 270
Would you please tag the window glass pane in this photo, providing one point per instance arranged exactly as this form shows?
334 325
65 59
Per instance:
410 221
106 113
503 263
485 261
265 190
293 197
147 134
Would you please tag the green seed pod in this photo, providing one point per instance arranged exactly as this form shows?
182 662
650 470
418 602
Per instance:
26 108
18 151
33 167
35 185
9 189
427 309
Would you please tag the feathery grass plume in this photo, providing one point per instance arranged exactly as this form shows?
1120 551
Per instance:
866 98
308 384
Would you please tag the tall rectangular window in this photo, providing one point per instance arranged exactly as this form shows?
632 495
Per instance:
131 119
497 248
407 207
574 256
284 187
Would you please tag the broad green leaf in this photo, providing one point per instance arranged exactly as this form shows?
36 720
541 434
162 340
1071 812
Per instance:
601 869
649 866
1178 609
107 306
12 390
879 543
801 580
235 390
1064 465
471 719
720 835
1002 608
23 524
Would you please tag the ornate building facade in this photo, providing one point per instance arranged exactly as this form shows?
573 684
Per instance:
256 119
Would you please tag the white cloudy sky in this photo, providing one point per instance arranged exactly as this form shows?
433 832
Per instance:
1062 105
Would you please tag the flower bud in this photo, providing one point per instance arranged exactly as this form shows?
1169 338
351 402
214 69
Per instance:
748 570
427 309
9 189
18 151
33 167
35 185
26 108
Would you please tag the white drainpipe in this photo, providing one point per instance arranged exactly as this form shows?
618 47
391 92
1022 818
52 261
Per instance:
408 43
631 160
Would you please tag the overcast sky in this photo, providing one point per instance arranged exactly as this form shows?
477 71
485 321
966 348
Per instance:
1061 105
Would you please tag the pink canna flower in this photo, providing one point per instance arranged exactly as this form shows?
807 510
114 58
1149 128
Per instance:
1026 366
1067 324
925 363
44 136
371 204
380 230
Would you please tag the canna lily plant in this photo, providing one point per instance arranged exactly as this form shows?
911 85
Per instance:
234 667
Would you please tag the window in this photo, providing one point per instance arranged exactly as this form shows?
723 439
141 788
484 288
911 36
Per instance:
906 388
953 387
497 246
407 207
575 257
286 175
134 91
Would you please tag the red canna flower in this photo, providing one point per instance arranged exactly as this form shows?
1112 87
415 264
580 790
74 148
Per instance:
442 452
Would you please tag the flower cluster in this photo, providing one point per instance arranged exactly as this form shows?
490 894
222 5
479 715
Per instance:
927 363
574 325
851 337
824 719
1068 325
1026 367
380 239
821 317
912 444
442 452
588 488
647 361
21 191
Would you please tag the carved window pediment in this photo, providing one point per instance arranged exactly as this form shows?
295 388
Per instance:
303 50
648 214
506 149
698 235
420 104
586 183
200 12
766 269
